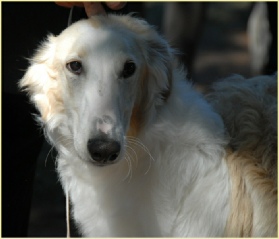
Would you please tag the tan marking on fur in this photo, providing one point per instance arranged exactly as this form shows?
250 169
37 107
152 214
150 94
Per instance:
48 102
53 106
239 223
41 83
136 122
253 192
139 111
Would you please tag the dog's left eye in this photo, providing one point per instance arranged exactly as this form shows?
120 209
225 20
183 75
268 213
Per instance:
129 69
74 67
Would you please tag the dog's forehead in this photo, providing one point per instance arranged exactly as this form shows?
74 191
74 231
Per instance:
88 35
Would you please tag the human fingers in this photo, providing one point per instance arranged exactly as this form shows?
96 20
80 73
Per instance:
70 4
94 8
115 5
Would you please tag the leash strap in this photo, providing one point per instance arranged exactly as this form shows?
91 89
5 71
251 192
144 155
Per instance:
70 18
76 13
68 214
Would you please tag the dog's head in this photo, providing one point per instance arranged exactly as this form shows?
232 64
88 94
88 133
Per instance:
98 81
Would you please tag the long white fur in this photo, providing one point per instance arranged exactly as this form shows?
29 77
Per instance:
171 178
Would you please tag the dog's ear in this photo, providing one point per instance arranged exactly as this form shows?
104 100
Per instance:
40 81
159 63
159 58
156 78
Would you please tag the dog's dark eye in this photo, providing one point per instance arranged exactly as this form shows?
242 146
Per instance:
129 69
74 67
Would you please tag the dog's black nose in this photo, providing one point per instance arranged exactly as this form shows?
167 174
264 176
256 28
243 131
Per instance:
103 150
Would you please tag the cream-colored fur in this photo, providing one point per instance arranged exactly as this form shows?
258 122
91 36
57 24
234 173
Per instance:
173 175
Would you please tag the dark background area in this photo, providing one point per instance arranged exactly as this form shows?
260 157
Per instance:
217 45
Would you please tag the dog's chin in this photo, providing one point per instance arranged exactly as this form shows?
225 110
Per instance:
103 164
96 164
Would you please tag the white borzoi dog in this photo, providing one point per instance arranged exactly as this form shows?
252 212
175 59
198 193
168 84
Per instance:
140 152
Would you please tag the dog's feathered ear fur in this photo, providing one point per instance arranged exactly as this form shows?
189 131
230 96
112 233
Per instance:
156 79
40 81
158 56
159 68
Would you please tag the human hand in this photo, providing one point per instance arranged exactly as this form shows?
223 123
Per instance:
93 8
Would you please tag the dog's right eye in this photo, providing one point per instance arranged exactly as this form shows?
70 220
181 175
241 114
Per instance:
74 67
129 69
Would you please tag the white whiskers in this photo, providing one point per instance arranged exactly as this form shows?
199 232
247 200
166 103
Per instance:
66 142
128 160
48 154
134 144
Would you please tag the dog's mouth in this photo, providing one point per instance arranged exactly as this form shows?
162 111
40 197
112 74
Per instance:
103 151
